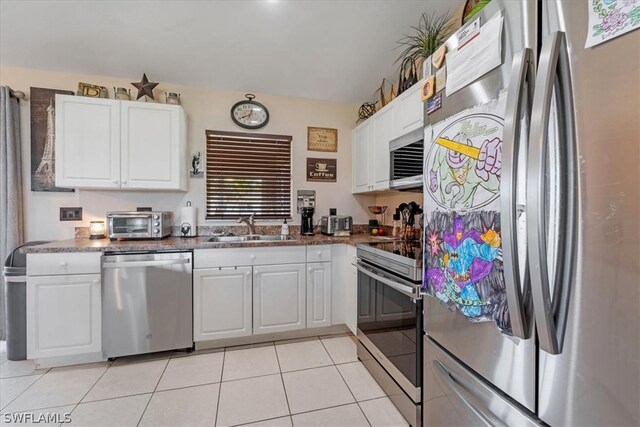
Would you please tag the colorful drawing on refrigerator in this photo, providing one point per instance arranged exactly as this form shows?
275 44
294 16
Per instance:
611 18
463 267
464 159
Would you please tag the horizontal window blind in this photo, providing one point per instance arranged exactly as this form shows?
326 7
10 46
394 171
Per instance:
248 174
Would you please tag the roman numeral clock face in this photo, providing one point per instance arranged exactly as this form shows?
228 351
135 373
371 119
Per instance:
249 114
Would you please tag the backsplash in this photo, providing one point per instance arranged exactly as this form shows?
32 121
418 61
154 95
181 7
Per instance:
208 230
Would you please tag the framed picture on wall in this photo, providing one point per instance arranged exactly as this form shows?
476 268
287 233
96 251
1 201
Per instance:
43 121
322 139
321 170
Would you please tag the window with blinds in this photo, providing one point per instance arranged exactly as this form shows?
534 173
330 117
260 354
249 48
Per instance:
248 173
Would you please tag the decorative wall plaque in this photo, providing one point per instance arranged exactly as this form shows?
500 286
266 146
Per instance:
321 170
322 139
43 121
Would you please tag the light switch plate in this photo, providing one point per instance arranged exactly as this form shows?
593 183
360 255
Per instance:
70 214
306 199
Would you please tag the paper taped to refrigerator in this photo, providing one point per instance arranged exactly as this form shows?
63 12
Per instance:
462 240
609 19
463 162
476 58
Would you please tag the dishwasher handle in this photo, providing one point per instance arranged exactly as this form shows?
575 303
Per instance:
158 263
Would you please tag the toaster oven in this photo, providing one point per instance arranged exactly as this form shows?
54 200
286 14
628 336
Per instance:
336 225
139 225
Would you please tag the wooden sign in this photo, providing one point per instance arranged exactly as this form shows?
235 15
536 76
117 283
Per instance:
322 139
321 170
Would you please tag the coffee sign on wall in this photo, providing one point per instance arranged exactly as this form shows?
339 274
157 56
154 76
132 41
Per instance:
321 170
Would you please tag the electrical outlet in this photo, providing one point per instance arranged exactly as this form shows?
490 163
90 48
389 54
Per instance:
70 214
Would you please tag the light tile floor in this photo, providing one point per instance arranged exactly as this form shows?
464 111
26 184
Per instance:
312 382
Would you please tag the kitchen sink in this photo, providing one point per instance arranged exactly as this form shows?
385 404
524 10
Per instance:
250 238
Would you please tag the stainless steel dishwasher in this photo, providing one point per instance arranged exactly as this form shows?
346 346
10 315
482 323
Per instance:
147 302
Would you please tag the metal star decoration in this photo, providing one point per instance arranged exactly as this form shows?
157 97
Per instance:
145 87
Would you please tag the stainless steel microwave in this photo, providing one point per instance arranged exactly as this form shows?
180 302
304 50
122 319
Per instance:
406 155
139 225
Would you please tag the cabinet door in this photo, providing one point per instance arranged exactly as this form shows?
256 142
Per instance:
63 315
351 292
87 143
383 123
360 158
410 114
153 146
279 300
318 294
221 303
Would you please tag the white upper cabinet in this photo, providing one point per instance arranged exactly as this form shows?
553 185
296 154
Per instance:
382 134
410 113
87 143
360 158
370 153
153 147
106 143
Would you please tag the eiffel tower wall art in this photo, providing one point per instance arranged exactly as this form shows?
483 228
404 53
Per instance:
43 122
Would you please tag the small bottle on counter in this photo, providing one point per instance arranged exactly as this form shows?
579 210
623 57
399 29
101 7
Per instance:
396 232
285 229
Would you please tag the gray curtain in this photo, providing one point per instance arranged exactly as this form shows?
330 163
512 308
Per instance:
11 216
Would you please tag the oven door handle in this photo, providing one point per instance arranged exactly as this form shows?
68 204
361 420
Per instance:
406 290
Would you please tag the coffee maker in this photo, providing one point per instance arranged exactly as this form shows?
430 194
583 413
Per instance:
306 225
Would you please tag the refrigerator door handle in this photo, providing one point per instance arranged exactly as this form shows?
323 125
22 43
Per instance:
553 83
517 287
470 402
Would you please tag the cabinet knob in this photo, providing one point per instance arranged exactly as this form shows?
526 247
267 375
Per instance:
63 263
124 181
320 254
115 181
252 257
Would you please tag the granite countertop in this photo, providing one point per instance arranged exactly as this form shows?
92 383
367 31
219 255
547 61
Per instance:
84 244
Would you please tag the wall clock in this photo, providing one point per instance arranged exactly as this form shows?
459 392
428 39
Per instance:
249 114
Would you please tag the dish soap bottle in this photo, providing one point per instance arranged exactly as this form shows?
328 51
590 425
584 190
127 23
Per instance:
285 229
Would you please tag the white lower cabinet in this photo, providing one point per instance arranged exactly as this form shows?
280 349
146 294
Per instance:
222 303
279 298
351 292
64 315
318 294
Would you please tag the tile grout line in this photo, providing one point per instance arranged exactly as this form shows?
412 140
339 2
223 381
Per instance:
224 358
23 391
110 364
286 396
347 384
154 390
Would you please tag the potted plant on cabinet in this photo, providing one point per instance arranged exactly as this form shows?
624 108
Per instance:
432 31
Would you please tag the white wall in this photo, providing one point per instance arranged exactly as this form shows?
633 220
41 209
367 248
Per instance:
206 109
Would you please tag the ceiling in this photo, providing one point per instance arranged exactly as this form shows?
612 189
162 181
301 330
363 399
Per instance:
330 50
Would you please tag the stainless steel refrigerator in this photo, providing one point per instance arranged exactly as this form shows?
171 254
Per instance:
549 332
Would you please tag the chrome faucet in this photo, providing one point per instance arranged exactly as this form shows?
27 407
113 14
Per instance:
250 223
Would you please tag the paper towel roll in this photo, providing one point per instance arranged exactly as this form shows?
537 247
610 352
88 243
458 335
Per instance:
188 221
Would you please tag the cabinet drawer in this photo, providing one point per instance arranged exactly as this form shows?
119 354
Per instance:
63 263
211 258
319 253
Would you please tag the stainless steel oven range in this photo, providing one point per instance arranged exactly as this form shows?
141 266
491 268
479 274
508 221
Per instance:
390 321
